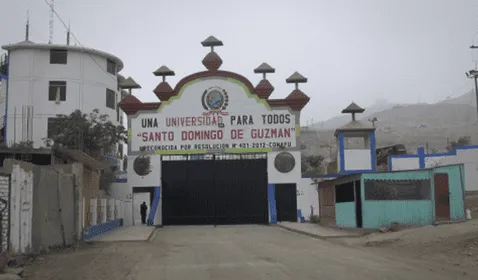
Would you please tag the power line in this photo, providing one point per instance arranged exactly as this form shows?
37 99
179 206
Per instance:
76 39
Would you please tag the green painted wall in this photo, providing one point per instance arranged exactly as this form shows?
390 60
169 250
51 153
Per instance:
456 182
345 214
413 212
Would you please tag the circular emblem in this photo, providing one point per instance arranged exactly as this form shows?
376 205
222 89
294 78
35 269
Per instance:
142 165
215 99
284 162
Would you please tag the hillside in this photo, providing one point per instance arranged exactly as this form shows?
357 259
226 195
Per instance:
413 125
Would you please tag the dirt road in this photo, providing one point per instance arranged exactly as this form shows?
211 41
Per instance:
231 252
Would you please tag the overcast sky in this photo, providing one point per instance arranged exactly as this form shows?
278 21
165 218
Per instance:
362 51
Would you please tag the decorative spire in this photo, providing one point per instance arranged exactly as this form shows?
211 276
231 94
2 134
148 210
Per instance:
212 61
296 79
297 97
353 109
264 88
164 91
129 84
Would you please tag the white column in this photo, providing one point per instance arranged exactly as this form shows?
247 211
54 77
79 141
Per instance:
111 209
83 202
103 211
93 215
117 209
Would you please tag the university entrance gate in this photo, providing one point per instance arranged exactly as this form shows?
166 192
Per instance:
214 189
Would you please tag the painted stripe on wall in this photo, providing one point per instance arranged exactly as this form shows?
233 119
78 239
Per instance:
154 207
271 196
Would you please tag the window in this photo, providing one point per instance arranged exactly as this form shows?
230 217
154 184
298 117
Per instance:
58 56
110 98
344 192
57 89
118 113
111 66
397 190
52 127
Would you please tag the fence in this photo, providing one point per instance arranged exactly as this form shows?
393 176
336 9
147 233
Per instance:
104 214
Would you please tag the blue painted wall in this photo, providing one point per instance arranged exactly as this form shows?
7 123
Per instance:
271 197
345 214
154 207
101 228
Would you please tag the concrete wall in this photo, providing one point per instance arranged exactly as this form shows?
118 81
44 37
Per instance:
467 155
44 206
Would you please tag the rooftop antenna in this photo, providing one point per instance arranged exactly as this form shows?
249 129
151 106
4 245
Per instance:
52 11
27 28
68 35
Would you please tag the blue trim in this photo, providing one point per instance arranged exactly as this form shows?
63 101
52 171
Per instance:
121 180
331 175
271 196
421 157
101 228
373 152
348 172
300 217
6 105
341 152
154 207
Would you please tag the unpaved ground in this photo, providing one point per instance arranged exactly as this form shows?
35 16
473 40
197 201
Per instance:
451 245
236 252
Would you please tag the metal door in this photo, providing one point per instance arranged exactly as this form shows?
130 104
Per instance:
442 197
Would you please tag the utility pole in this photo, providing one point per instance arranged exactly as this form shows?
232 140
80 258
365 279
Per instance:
473 74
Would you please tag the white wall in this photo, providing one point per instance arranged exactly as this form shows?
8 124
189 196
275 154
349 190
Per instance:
30 73
405 163
307 196
357 159
276 177
468 157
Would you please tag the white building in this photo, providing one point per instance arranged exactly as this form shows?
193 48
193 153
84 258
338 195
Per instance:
45 80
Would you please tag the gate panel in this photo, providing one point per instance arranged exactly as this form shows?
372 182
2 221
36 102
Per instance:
214 191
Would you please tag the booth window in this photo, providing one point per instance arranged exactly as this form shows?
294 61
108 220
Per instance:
344 192
58 56
397 190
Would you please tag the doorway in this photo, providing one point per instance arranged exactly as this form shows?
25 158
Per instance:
140 195
442 197
286 202
358 203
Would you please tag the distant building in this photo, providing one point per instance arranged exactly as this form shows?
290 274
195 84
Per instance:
43 80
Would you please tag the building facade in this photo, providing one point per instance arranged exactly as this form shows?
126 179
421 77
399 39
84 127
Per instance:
43 80
216 149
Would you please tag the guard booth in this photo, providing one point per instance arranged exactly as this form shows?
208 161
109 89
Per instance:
216 148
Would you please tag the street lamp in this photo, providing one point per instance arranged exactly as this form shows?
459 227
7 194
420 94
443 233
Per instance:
473 74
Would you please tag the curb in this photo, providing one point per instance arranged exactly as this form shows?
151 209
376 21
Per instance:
152 235
316 235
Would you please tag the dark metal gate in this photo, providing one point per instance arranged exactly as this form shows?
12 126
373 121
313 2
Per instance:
286 202
214 189
5 189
